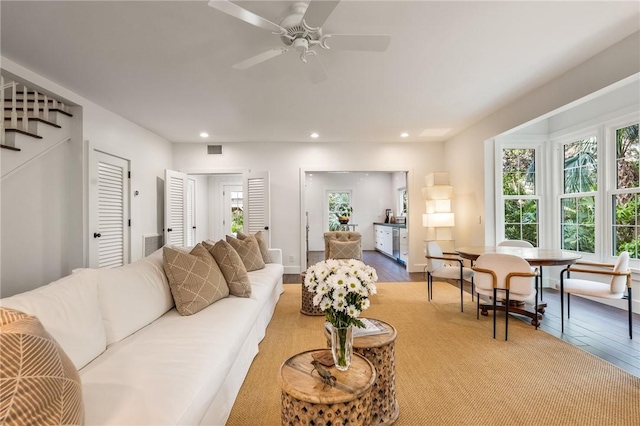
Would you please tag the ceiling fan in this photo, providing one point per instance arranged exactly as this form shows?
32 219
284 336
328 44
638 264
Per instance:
301 31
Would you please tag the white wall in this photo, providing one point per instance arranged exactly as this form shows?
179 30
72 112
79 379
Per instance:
286 162
371 194
47 198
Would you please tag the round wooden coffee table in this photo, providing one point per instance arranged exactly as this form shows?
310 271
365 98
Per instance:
307 400
379 349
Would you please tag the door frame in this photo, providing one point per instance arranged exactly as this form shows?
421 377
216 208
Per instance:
91 219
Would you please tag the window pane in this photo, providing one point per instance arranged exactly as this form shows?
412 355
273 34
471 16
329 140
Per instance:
581 166
512 211
569 211
578 224
626 224
627 157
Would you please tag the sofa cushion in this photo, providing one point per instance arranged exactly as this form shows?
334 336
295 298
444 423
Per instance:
231 266
194 278
133 296
69 310
40 384
249 252
344 249
262 244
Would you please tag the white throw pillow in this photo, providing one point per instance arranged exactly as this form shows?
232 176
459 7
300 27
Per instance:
68 309
133 296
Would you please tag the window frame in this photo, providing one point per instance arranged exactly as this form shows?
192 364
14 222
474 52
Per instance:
557 145
537 146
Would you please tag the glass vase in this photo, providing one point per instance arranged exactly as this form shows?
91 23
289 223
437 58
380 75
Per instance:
342 346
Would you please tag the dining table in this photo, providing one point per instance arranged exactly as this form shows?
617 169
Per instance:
536 256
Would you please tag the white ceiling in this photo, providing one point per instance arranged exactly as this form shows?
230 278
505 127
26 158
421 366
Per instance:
167 65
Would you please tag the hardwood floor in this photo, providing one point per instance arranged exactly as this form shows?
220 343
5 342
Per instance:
596 328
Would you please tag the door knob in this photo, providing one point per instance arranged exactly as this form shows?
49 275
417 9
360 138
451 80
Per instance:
97 235
169 230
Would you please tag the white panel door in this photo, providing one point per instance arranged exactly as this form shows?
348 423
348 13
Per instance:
109 211
175 208
256 205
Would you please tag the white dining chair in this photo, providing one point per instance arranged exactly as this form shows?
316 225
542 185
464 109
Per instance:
446 266
515 243
620 280
504 278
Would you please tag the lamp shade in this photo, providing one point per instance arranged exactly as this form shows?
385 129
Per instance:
436 220
439 192
438 206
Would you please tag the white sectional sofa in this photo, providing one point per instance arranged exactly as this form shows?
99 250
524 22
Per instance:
142 363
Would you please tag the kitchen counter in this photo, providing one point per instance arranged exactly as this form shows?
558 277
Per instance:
394 225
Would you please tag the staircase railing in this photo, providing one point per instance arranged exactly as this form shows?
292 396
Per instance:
19 115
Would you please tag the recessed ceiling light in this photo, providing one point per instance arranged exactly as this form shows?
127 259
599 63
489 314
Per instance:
204 135
314 135
434 132
404 135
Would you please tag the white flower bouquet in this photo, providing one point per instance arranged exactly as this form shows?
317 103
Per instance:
342 289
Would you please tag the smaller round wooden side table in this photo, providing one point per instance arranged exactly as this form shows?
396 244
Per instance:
307 301
379 349
306 400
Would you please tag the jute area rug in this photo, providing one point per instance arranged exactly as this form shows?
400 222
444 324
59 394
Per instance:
449 369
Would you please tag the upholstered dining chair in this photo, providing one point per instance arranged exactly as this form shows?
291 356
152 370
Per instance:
614 289
504 278
515 243
342 245
446 266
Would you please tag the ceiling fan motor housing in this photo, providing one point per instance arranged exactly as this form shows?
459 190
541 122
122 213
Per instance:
295 30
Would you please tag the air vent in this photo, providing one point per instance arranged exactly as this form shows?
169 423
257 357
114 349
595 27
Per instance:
214 149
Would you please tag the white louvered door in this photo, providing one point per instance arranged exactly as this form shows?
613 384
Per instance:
175 208
109 216
256 207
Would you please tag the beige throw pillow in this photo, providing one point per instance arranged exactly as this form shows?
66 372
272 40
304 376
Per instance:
344 249
194 278
231 266
262 244
249 252
39 385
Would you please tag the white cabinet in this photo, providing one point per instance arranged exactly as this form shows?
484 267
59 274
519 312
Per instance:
404 250
383 239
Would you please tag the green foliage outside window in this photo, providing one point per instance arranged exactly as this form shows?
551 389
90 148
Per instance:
626 228
237 220
339 202
519 179
578 219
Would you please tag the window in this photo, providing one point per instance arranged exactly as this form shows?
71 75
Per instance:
519 194
337 201
402 201
578 199
626 195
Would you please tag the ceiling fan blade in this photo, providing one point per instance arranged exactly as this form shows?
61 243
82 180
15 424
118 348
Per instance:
318 12
315 69
246 16
368 42
261 57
